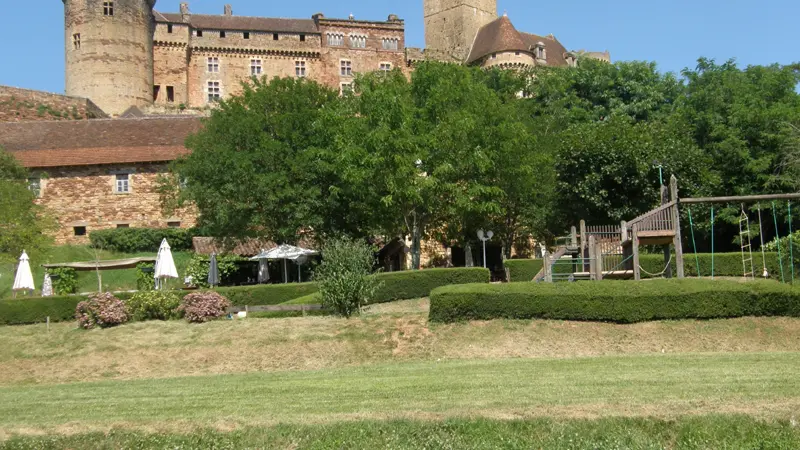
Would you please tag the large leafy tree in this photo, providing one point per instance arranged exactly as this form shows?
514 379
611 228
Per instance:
23 224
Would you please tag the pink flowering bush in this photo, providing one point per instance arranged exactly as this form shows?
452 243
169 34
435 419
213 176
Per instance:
200 307
102 310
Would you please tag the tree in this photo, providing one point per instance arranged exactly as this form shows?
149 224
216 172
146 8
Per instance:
23 224
254 168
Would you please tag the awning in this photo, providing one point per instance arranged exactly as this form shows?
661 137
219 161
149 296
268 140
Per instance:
129 263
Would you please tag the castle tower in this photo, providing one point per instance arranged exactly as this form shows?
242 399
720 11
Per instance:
451 25
109 52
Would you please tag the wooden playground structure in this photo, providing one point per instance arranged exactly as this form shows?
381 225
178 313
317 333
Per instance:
613 251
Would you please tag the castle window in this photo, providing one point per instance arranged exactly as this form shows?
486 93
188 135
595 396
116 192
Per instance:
302 38
156 91
346 88
174 224
213 91
275 36
335 40
213 65
199 33
222 34
255 67
123 184
390 43
494 55
517 53
347 68
386 67
79 231
35 186
170 94
76 41
123 225
300 69
108 8
169 28
246 35
358 41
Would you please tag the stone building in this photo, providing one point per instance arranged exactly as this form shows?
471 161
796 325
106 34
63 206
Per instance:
99 174
123 53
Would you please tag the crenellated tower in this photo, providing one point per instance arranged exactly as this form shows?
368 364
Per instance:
109 52
451 25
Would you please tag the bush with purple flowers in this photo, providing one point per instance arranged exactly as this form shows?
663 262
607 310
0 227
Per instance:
102 310
199 307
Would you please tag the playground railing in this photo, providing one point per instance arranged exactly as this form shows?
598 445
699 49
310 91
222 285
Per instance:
659 219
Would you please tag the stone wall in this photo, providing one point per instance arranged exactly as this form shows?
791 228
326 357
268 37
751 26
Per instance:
85 197
508 60
17 105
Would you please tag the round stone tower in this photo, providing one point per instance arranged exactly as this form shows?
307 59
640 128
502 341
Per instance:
109 52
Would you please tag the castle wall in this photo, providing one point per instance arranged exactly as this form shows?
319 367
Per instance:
85 196
109 58
17 105
451 25
509 60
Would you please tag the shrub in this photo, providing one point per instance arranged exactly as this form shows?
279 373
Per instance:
267 294
132 240
615 301
523 269
154 305
419 283
344 276
65 280
36 310
199 307
102 310
199 265
144 277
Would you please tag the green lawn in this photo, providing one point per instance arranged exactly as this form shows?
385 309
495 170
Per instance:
113 280
663 386
704 432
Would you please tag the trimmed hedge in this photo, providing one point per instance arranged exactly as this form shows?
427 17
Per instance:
133 240
266 294
23 311
725 265
615 301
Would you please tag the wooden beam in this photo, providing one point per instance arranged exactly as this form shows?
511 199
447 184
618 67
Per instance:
677 242
740 198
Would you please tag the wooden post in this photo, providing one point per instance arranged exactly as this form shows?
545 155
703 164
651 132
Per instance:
598 254
48 324
583 246
573 237
664 195
623 226
637 271
548 275
676 223
592 259
667 258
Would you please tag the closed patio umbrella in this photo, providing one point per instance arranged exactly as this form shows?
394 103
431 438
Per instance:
47 286
24 278
213 271
165 265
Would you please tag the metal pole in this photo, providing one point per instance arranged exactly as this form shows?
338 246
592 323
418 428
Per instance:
484 254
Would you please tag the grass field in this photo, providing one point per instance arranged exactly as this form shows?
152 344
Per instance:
389 379
113 280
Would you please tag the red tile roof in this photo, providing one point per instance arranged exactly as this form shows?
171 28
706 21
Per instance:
496 37
243 23
556 53
91 142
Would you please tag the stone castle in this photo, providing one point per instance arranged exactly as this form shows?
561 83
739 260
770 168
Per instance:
123 53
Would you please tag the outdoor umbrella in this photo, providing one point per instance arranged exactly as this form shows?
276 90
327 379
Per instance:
286 253
24 278
263 268
47 286
165 265
213 271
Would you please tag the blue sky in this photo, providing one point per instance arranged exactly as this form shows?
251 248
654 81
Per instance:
673 33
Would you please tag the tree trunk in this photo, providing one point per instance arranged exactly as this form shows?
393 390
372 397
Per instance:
416 244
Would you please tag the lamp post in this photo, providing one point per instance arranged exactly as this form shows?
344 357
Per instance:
660 172
484 237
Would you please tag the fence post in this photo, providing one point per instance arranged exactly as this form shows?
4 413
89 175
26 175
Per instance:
676 223
583 246
598 254
637 271
592 259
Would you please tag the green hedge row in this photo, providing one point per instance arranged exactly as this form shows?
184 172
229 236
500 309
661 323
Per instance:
132 240
266 294
725 265
615 301
36 310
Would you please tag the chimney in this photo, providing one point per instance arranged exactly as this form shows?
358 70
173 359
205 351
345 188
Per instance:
186 16
228 10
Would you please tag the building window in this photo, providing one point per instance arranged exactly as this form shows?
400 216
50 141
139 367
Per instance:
386 67
108 8
358 41
35 186
390 43
213 91
222 34
335 40
79 231
199 33
246 35
169 28
76 41
174 224
156 90
123 185
302 38
346 88
123 225
347 68
300 69
517 53
170 94
213 65
494 55
275 36
540 51
255 67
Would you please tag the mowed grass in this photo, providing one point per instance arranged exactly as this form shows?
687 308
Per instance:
705 432
661 386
